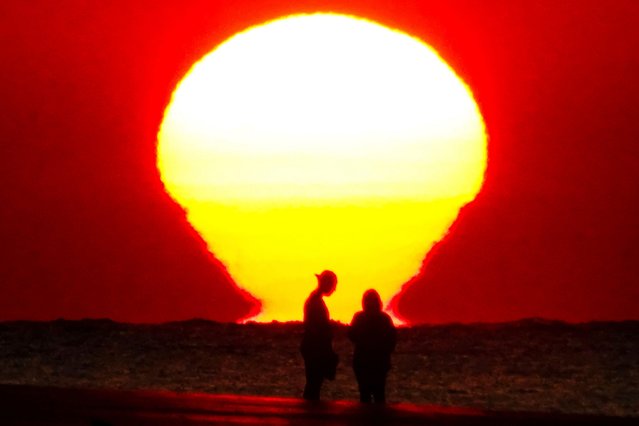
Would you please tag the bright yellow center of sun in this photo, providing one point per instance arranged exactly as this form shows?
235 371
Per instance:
321 142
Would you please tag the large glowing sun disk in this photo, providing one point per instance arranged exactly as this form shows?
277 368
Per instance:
321 141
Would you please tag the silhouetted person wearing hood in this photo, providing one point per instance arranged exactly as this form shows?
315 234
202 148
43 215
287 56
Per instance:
320 361
374 336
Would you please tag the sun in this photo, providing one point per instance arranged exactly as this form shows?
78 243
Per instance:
321 141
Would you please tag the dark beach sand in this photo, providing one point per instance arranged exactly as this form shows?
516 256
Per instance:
40 406
530 365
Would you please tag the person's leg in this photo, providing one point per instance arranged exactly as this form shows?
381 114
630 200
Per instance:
363 386
314 378
364 392
378 388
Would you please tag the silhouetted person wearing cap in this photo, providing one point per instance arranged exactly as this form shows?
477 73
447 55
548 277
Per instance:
320 361
374 336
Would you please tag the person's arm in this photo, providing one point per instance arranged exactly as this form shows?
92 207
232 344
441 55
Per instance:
313 319
392 335
317 323
353 329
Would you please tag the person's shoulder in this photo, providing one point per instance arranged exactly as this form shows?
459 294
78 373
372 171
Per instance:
357 317
312 297
388 319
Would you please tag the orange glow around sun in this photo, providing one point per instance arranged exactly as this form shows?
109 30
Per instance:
319 142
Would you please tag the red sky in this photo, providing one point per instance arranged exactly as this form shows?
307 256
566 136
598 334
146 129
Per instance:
87 230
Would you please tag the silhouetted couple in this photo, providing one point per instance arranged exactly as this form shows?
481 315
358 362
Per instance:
371 331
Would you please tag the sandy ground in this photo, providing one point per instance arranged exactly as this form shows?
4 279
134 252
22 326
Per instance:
528 365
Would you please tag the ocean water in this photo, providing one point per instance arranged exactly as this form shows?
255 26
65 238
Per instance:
529 365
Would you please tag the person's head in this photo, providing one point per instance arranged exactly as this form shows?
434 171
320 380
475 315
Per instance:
371 302
326 282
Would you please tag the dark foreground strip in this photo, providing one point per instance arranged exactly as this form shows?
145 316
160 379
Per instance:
31 406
